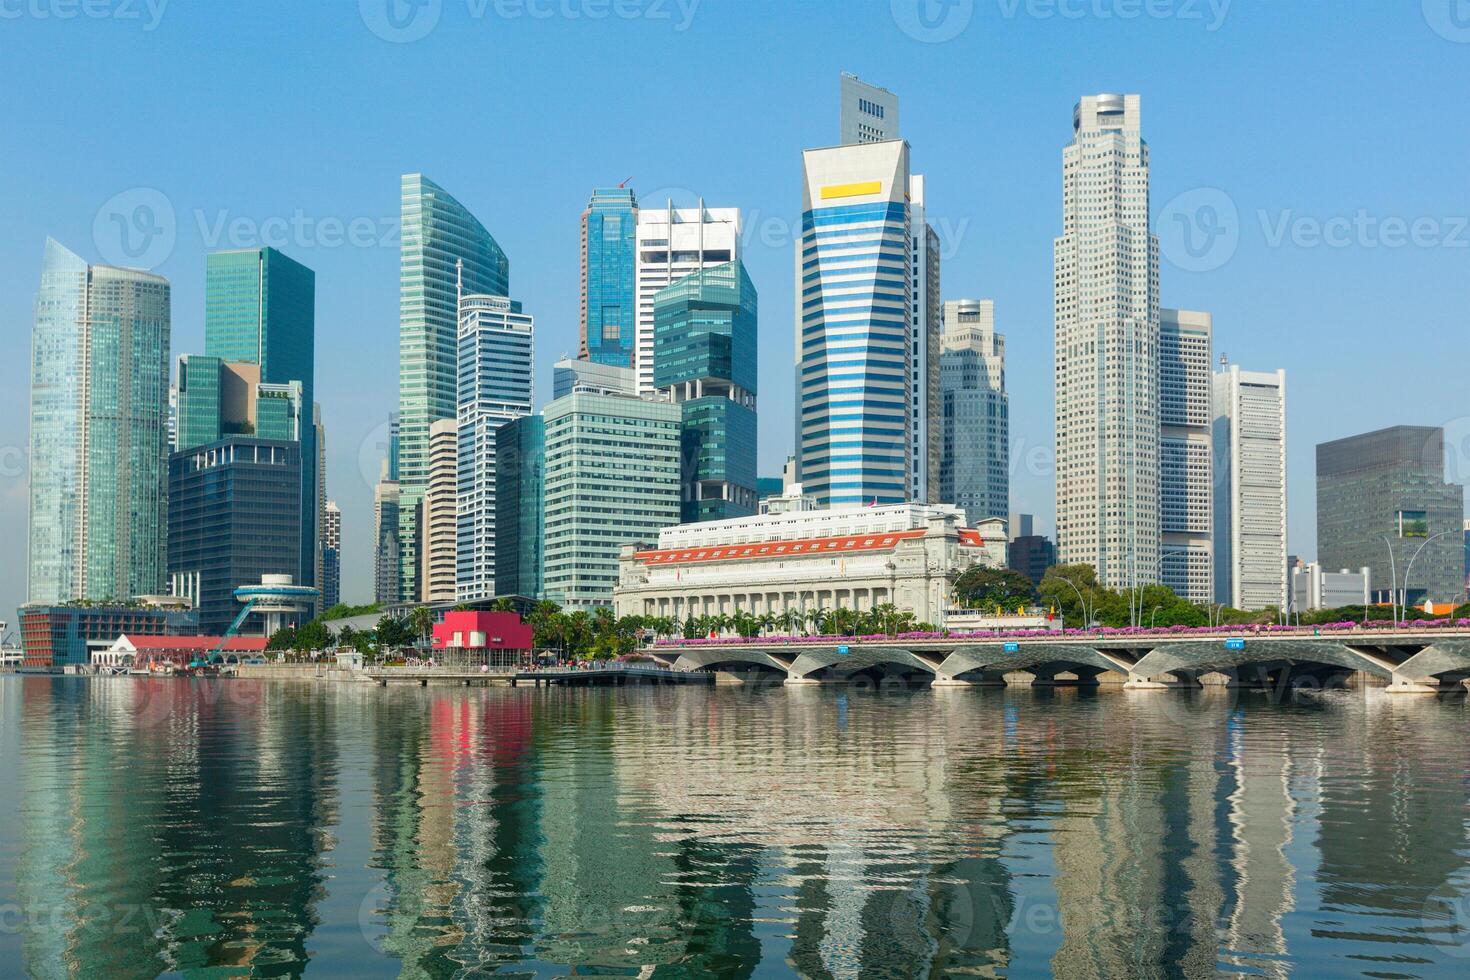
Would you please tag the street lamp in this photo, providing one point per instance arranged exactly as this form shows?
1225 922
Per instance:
1393 595
1410 568
1086 616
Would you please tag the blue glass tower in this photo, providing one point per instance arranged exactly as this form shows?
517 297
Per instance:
609 303
705 358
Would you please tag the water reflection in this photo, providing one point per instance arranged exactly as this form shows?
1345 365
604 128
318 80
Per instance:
235 828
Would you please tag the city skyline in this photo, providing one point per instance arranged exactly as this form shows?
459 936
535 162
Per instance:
1313 294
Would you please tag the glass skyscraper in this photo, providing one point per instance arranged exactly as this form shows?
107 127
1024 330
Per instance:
260 308
99 431
705 360
445 252
609 307
497 356
234 517
854 346
520 501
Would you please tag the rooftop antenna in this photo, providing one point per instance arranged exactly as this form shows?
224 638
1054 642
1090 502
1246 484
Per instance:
625 182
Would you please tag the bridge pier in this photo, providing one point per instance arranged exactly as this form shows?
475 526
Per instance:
1163 682
977 682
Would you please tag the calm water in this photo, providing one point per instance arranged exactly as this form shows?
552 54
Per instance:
234 828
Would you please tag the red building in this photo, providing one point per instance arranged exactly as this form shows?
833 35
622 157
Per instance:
498 639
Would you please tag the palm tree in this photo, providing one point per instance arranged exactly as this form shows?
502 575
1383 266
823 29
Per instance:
422 620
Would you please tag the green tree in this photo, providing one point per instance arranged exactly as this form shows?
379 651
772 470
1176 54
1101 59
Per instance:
393 633
422 621
282 639
313 636
987 588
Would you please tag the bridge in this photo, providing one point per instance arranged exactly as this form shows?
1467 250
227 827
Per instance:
1428 659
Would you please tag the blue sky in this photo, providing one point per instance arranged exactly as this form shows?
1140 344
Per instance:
1326 144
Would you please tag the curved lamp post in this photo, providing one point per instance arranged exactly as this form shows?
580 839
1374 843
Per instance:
1419 551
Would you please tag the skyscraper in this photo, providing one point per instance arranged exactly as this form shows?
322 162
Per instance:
976 431
438 235
387 565
260 308
1185 485
1107 348
869 114
234 516
235 506
438 524
609 258
331 555
928 408
705 360
854 316
1250 488
497 349
612 478
520 507
1384 493
98 431
673 243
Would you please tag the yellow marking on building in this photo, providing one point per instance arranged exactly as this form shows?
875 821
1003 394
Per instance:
851 190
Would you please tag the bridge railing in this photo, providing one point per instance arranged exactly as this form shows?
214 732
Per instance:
1341 629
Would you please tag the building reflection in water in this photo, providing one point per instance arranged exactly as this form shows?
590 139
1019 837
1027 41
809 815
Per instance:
693 832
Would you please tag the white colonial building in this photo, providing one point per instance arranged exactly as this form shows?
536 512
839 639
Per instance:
848 558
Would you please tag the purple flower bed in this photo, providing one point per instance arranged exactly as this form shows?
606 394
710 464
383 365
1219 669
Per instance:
1106 631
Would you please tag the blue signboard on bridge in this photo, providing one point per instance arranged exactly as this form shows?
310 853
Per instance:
1235 643
1013 648
842 649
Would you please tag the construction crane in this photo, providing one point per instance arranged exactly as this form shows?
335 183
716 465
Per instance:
229 634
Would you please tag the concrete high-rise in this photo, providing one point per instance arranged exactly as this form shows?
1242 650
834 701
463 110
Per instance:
437 523
609 277
1186 415
1249 437
1107 348
331 555
260 308
869 114
1385 491
98 431
854 325
705 362
612 478
445 253
927 320
673 243
974 469
496 385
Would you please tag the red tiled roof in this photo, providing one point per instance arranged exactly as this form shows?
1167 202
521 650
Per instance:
970 536
190 643
847 544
